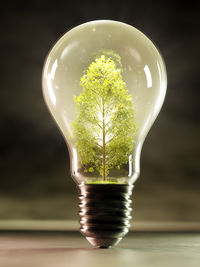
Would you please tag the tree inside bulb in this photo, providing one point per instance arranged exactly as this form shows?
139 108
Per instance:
105 126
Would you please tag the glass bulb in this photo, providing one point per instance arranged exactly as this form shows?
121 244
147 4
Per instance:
104 83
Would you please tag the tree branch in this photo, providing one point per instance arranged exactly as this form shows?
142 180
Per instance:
99 125
110 139
99 145
108 129
107 123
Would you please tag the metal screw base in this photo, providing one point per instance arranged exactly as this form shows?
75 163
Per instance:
104 211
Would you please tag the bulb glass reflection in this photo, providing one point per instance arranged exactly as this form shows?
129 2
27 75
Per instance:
143 73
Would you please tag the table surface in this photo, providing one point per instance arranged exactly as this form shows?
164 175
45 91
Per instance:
66 249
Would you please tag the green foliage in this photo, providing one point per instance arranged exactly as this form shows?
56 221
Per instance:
105 124
103 182
108 53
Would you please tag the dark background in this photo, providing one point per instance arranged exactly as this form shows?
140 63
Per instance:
34 163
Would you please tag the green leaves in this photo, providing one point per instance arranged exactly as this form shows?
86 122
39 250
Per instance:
104 127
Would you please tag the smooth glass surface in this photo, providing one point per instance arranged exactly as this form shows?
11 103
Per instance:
143 72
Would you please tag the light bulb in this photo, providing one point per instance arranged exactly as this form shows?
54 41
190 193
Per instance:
104 83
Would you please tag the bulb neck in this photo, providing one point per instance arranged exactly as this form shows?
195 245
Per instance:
104 211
